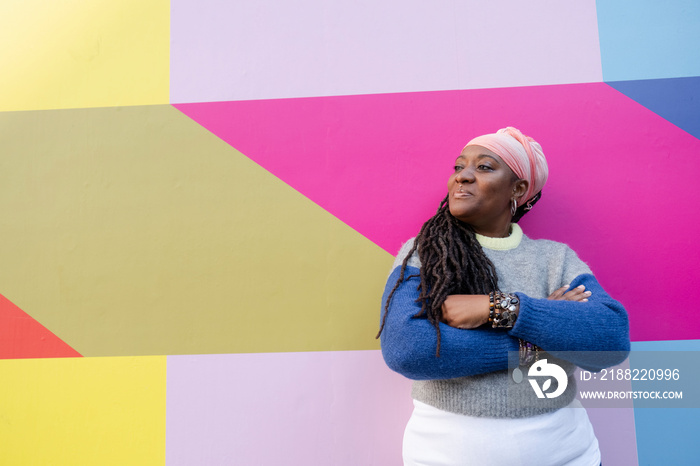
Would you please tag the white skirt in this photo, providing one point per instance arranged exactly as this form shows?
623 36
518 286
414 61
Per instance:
439 438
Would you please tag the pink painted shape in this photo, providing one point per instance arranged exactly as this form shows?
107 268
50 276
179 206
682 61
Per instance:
261 50
339 408
622 189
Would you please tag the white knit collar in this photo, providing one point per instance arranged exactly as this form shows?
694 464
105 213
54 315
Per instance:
502 244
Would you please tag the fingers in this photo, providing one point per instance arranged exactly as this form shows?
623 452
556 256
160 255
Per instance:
558 293
575 294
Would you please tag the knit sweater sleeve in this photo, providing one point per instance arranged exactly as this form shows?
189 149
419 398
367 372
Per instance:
409 343
592 335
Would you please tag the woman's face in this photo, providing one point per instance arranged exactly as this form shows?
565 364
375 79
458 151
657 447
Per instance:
481 189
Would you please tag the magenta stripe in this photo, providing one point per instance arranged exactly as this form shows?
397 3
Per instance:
621 191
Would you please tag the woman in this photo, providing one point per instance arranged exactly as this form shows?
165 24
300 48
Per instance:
470 288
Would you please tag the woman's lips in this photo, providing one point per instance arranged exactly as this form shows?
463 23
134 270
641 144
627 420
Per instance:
461 194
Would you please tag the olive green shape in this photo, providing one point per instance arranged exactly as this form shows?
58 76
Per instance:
135 231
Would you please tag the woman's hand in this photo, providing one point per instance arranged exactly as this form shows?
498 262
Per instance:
575 294
465 311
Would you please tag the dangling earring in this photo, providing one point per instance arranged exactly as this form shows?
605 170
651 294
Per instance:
513 207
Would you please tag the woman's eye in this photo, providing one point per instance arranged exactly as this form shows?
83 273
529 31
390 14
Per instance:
458 168
485 167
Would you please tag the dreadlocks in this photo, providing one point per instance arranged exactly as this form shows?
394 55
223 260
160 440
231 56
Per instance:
452 262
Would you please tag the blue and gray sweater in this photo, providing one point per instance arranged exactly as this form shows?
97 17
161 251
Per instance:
470 376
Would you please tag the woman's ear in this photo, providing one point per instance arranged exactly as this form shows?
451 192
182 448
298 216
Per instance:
520 188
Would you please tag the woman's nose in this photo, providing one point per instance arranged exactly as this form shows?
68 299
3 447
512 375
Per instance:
465 176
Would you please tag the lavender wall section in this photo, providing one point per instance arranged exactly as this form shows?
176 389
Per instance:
335 408
276 49
339 408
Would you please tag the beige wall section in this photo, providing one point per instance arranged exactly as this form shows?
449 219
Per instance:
83 53
134 231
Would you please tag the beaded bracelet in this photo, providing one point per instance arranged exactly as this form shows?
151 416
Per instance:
492 304
502 309
528 353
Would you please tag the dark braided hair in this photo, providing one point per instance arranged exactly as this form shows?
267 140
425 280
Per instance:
452 262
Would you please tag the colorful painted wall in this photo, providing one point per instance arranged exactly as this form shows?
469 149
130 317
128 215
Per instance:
201 200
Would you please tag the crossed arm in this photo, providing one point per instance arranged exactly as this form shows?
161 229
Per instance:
467 311
571 320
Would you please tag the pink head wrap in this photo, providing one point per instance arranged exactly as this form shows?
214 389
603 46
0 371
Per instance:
521 153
